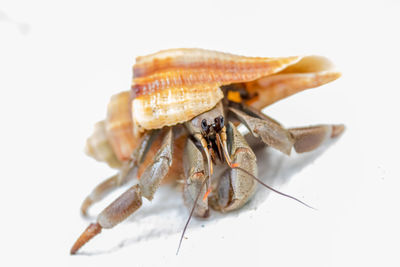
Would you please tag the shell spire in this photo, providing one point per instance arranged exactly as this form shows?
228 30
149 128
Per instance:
173 86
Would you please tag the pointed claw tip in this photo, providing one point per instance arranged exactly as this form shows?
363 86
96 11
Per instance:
72 251
92 230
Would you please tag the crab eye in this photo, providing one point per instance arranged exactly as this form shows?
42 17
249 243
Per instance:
221 120
204 125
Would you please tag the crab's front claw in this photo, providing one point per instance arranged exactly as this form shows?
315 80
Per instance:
195 176
235 187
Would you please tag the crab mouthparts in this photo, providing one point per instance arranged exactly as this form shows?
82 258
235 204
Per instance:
216 140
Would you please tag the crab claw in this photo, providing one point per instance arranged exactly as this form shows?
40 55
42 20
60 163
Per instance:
195 173
236 187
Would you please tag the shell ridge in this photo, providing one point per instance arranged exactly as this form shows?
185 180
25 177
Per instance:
174 85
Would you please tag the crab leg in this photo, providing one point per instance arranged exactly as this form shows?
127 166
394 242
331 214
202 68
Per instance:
121 178
151 178
270 131
131 199
105 188
303 139
116 212
310 138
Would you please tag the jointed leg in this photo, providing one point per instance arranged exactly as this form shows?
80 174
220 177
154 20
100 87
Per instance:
116 212
106 187
310 138
151 178
131 199
270 131
124 175
303 139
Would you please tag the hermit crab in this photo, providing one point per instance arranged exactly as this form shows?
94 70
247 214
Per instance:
179 123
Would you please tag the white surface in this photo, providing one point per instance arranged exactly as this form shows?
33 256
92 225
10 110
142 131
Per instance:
60 63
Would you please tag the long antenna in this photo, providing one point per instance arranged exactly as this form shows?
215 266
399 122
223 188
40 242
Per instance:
272 189
191 214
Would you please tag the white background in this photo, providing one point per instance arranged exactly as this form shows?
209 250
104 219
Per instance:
60 63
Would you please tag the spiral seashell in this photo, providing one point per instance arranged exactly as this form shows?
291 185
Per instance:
99 147
173 86
119 126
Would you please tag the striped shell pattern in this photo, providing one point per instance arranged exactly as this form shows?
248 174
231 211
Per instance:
173 86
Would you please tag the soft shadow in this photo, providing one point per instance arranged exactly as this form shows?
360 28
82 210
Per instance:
166 214
23 28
